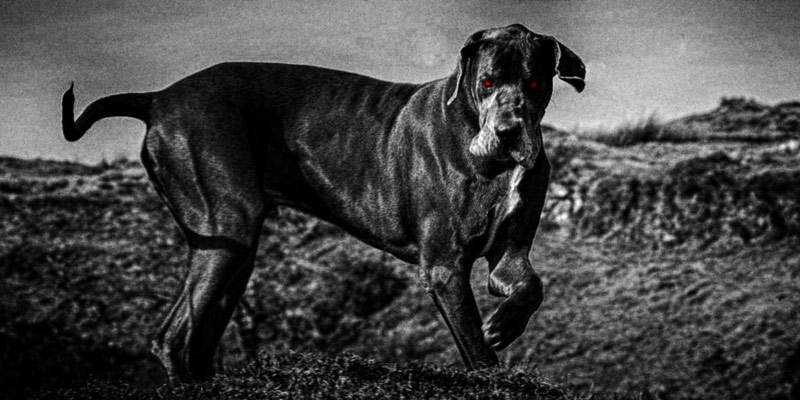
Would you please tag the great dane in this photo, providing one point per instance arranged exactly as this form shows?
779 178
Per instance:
438 174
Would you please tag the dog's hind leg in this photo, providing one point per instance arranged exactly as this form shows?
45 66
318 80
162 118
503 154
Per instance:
188 337
209 181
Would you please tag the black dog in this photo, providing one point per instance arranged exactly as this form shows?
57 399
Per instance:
438 174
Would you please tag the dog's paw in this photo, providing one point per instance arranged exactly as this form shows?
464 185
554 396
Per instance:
506 324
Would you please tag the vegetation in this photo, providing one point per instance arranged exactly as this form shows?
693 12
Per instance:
647 130
735 120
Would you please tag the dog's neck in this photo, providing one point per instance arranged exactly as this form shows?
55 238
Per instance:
488 168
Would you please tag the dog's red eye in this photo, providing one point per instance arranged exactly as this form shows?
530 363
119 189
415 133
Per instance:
533 85
487 83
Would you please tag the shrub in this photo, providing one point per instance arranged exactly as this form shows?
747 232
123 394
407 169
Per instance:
647 130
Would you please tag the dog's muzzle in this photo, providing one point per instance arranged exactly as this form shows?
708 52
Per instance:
500 140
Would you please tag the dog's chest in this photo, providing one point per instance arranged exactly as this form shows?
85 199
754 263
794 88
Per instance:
493 210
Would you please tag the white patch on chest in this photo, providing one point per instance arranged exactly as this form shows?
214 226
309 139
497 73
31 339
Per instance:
514 198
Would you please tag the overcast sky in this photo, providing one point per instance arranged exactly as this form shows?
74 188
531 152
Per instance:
643 56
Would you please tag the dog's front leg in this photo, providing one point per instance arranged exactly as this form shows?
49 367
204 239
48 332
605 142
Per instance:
450 289
512 277
510 272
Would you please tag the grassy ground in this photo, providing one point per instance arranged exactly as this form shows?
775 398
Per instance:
314 376
671 272
716 324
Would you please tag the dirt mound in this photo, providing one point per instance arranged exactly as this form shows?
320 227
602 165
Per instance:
320 376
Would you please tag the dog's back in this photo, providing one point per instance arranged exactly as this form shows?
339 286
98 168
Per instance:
323 141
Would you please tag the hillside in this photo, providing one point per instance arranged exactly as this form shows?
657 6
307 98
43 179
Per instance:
669 264
746 120
693 181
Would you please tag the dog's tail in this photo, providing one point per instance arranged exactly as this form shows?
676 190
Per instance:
135 105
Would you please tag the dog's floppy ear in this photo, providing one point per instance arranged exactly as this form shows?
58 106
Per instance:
465 57
569 66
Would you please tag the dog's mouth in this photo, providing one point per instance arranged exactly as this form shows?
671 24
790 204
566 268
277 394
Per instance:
487 145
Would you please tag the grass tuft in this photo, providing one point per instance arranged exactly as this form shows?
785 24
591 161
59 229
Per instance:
647 130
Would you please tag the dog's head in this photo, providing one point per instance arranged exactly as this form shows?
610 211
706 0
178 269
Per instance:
508 75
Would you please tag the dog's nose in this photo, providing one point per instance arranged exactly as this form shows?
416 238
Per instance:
508 132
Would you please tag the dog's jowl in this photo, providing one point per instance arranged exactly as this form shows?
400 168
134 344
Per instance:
438 174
